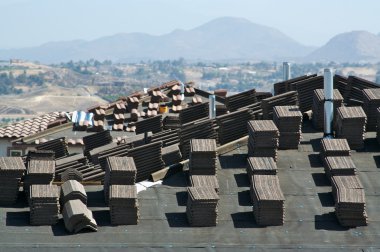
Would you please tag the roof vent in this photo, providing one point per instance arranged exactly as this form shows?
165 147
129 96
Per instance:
286 71
212 108
329 101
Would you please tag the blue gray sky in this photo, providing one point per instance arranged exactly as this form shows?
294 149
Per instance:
27 23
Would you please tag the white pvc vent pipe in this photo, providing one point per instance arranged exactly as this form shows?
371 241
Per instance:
212 106
286 71
329 101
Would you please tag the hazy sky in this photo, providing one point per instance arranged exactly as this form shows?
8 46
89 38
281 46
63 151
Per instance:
311 22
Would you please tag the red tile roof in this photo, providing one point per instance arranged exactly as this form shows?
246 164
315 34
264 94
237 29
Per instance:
29 126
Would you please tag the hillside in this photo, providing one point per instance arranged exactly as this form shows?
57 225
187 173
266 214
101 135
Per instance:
220 39
349 47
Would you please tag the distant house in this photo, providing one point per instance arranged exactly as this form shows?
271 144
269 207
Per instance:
9 134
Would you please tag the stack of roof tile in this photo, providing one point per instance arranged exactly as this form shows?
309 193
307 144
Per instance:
172 121
156 96
255 110
152 109
202 206
239 100
78 162
72 190
120 150
340 83
288 120
356 85
99 116
285 99
71 174
44 205
196 100
153 124
40 155
171 155
233 126
350 207
119 171
339 166
305 89
221 109
319 106
148 159
59 146
167 137
193 113
96 140
135 115
371 98
268 200
203 157
11 171
204 181
350 124
261 166
133 103
334 147
201 130
39 172
263 139
124 207
77 217
286 86
118 116
262 95
94 173
189 91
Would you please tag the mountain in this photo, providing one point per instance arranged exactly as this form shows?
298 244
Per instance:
225 38
349 47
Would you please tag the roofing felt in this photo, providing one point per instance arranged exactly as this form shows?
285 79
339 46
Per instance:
310 222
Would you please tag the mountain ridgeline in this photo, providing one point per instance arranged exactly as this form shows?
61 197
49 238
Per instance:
220 39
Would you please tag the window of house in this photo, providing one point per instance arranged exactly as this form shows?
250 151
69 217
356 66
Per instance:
15 153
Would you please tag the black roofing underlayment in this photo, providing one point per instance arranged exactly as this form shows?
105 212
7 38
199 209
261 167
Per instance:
310 222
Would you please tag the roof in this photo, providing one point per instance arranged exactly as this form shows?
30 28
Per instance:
29 126
310 223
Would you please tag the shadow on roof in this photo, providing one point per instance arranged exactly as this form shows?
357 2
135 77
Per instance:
320 179
242 180
177 219
179 179
377 160
181 198
59 229
315 160
102 217
96 199
233 161
326 199
244 220
244 198
370 145
18 219
328 221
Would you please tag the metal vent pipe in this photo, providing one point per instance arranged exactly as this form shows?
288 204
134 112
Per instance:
212 107
329 101
182 90
286 71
